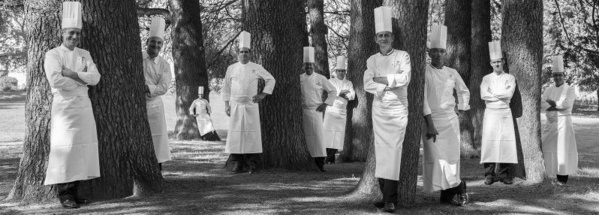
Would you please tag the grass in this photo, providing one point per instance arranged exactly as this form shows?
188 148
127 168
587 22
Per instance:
196 183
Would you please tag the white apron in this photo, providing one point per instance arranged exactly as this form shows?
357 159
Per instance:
441 159
244 135
334 127
499 140
389 120
157 122
203 118
312 122
73 141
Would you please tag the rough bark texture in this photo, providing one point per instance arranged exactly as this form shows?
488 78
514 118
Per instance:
319 30
479 63
127 159
409 28
522 41
190 66
458 17
278 34
359 136
43 33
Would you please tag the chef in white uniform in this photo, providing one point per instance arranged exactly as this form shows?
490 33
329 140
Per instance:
441 159
387 77
558 139
157 73
335 116
498 146
240 93
73 137
200 109
313 86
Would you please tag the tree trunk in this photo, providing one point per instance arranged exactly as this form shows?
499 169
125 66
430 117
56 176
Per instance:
278 34
522 41
409 27
479 63
358 136
319 30
190 67
458 17
43 18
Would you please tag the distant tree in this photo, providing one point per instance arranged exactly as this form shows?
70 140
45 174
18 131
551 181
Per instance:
318 31
13 45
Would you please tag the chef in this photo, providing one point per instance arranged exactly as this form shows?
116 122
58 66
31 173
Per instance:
200 108
73 137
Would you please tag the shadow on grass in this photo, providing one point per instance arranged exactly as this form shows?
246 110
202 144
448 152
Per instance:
585 111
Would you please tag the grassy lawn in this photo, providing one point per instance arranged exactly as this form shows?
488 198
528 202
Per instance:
12 113
196 183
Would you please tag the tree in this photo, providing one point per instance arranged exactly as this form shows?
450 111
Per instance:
479 63
190 67
318 30
278 34
522 42
358 136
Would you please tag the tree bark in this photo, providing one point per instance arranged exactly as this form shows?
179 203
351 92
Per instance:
479 63
319 30
190 66
522 41
278 31
359 136
409 28
458 22
43 18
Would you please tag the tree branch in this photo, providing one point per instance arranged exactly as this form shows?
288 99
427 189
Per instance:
154 11
224 5
221 50
559 12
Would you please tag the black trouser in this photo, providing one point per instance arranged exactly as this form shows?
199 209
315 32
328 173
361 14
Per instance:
389 190
503 172
449 193
319 162
68 190
562 178
331 155
245 159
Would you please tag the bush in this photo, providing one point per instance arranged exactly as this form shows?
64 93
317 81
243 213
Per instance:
8 83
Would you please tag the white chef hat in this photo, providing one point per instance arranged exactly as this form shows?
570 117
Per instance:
438 37
157 27
382 19
341 63
558 64
244 40
308 54
71 15
201 90
495 50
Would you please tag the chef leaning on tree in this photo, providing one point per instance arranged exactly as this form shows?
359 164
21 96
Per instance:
498 146
200 109
157 73
558 139
441 158
387 77
73 138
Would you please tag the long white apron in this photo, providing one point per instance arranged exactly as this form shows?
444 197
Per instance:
559 145
312 122
244 135
203 118
441 159
389 125
157 122
73 141
334 127
499 139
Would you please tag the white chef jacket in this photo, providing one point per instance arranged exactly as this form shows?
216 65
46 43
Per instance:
312 88
335 116
157 73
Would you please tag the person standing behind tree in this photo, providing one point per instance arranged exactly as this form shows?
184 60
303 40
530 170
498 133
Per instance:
558 140
498 146
240 93
387 77
335 116
73 137
441 158
200 109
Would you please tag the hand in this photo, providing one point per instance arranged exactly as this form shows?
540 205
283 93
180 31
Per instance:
147 89
381 80
343 95
432 133
322 107
228 109
552 108
551 102
259 97
67 72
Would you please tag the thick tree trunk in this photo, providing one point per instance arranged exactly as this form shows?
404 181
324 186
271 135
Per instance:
127 159
278 34
457 20
43 18
358 136
479 63
522 41
319 31
409 27
190 66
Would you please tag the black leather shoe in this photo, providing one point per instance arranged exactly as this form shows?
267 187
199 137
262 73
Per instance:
464 199
489 180
452 200
507 181
379 204
389 207
69 203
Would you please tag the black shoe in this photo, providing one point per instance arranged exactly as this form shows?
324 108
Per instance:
464 199
379 204
452 200
489 180
83 201
69 203
507 181
252 169
321 168
389 207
